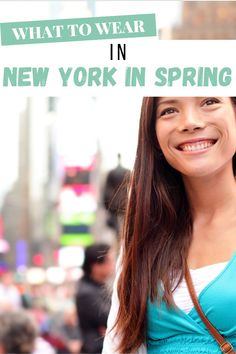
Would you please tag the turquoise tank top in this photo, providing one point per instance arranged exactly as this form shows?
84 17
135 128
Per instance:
172 331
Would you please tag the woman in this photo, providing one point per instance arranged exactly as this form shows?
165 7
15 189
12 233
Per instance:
182 208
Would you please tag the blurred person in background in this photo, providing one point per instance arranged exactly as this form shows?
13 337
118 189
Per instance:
18 333
26 298
92 297
10 297
115 195
70 330
39 311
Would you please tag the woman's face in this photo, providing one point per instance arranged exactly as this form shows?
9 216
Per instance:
197 135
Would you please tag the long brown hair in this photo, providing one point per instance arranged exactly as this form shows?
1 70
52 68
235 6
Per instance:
157 233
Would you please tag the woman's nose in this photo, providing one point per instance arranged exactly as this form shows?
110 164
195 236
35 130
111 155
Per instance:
190 121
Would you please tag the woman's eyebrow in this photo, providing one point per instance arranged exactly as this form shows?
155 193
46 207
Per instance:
166 102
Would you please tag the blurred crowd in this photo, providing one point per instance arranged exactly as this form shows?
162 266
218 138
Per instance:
48 319
70 317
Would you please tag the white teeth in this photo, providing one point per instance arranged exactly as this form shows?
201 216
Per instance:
196 146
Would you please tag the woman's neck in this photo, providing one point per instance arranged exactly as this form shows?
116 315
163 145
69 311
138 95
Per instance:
210 196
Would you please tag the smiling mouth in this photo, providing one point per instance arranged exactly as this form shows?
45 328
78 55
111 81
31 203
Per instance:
197 146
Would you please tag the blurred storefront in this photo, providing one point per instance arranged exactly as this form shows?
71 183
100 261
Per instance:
206 20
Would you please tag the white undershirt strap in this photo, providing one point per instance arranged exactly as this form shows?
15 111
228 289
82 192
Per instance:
201 278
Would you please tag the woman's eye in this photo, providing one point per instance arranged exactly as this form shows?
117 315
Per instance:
167 111
210 101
